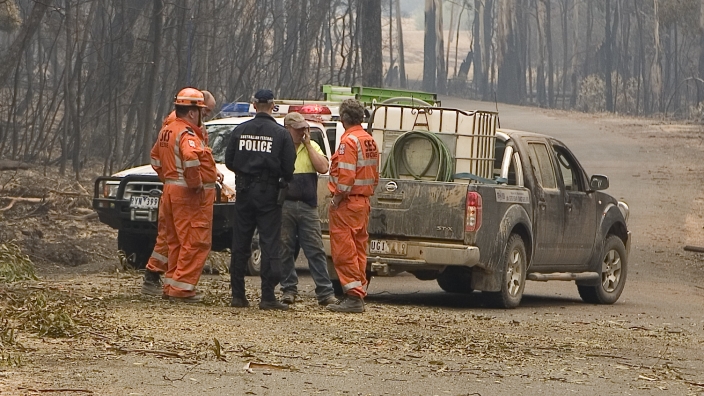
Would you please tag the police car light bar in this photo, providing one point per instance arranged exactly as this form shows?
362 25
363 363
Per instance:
236 109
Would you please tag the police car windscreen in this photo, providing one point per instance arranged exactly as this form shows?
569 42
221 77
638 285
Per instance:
218 138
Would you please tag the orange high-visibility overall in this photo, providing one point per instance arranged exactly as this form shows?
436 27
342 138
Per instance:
186 166
158 262
354 173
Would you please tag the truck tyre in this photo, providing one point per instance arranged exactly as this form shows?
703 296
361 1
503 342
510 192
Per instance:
136 247
254 265
614 268
513 275
456 280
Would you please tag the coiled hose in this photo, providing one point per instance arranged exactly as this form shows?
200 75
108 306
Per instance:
398 156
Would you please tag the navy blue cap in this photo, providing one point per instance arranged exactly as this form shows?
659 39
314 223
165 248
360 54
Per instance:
264 96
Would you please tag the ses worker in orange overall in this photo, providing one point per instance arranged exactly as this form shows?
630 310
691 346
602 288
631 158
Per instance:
158 262
186 166
354 174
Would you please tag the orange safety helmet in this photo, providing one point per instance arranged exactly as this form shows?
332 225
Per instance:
190 97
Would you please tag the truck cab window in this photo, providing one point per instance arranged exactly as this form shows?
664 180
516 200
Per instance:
218 139
567 166
316 135
332 139
500 153
499 150
542 165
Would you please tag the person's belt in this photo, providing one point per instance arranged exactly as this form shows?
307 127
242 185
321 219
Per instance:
351 195
183 183
256 180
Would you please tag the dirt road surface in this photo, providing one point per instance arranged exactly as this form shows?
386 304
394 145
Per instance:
415 339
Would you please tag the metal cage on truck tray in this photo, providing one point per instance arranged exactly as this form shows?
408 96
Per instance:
469 136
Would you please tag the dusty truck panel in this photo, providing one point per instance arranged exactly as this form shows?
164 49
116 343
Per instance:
537 216
436 211
492 236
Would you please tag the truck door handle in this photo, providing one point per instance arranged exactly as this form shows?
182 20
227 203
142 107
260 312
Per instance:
541 204
568 205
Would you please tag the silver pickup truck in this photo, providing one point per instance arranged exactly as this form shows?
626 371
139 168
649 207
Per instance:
538 216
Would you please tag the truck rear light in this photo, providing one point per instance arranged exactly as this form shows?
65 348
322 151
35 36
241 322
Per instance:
473 212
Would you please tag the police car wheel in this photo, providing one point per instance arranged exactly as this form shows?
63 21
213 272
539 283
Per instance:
254 264
135 252
255 260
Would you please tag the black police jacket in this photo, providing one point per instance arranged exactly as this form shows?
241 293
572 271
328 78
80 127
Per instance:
261 148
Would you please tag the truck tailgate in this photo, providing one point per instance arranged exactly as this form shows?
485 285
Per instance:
411 209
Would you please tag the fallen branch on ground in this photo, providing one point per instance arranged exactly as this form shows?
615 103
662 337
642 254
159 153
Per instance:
57 390
14 200
156 352
12 165
85 217
697 249
71 193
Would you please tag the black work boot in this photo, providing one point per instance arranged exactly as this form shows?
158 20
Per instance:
268 305
288 298
152 285
348 304
239 302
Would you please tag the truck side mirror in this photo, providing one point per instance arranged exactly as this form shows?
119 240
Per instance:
599 182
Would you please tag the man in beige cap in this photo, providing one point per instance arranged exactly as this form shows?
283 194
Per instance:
300 217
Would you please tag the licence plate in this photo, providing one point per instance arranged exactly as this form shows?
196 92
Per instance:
144 202
397 248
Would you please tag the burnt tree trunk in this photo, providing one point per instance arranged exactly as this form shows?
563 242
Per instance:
11 58
429 48
372 65
148 121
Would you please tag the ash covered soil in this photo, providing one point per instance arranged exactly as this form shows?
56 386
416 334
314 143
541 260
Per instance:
84 328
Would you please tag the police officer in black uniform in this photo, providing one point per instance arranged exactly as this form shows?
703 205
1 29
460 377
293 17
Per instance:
262 155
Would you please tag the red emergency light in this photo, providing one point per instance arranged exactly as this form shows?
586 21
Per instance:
312 112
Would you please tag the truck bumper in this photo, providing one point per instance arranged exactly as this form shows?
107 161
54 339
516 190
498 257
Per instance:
118 215
423 255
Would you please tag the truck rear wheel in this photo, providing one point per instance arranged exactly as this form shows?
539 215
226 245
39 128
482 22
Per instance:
513 275
613 274
456 280
136 247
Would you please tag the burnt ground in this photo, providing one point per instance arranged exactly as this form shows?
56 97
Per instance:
413 339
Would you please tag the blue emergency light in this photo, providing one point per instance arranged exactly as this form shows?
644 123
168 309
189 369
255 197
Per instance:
236 109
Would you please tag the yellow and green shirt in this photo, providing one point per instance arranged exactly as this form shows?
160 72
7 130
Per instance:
304 186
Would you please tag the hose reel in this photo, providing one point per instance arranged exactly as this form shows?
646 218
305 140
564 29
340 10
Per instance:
399 157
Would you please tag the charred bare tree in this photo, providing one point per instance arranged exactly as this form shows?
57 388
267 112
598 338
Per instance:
372 65
10 58
401 54
549 50
487 36
477 30
148 122
607 47
430 48
540 85
440 47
